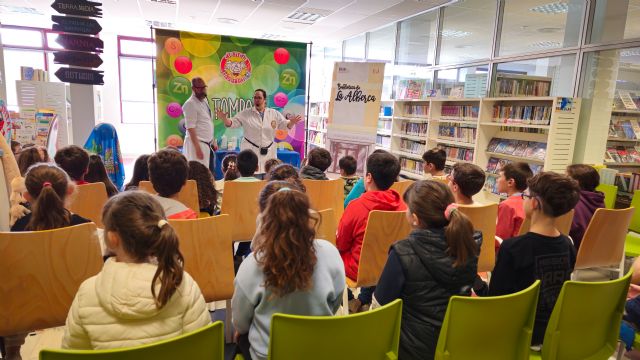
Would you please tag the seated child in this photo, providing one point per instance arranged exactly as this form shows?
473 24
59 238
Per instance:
543 253
348 166
424 271
512 181
434 163
358 188
27 158
286 172
142 295
465 181
75 161
207 194
270 164
168 170
590 199
247 165
140 173
98 173
382 171
269 282
318 161
16 147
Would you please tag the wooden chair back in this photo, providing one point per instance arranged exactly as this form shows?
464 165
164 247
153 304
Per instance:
563 223
188 195
207 249
326 229
240 202
41 272
88 202
401 186
383 229
603 241
483 219
326 194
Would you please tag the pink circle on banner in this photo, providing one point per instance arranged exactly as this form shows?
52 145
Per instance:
174 109
183 64
172 45
280 99
281 56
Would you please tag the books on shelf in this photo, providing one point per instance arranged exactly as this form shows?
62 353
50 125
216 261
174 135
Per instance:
319 108
519 148
384 141
522 85
411 88
414 129
495 165
522 114
318 123
457 133
411 146
418 110
459 112
411 165
31 74
384 124
624 128
317 138
622 154
456 153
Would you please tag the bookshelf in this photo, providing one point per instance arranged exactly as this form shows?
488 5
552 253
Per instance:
453 126
540 131
409 129
515 85
385 125
623 141
317 123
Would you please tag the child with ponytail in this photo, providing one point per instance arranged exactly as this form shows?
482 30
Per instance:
439 259
142 295
48 187
289 272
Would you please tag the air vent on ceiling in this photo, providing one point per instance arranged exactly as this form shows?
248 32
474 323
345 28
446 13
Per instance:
552 8
165 2
307 15
160 24
7 9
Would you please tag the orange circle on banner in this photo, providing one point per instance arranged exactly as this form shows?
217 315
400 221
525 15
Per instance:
172 45
281 134
174 140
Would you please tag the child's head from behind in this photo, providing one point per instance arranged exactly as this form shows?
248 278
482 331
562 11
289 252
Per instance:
348 165
271 188
27 158
550 194
383 169
286 252
513 177
207 194
16 147
430 205
47 189
168 170
247 163
586 176
74 160
97 171
270 164
434 160
288 173
140 170
466 179
136 231
319 158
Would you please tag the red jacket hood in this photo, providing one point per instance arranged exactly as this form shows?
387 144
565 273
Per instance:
387 200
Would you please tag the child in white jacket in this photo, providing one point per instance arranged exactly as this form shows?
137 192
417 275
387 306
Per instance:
142 295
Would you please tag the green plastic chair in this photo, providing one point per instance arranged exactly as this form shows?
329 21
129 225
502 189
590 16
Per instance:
498 327
632 242
610 194
369 335
205 343
585 322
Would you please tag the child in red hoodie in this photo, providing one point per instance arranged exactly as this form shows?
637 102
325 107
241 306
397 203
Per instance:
512 181
382 171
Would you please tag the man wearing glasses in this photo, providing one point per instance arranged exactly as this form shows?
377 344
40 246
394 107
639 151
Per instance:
259 124
199 144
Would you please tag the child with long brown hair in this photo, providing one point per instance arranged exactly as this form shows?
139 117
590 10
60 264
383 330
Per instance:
143 294
207 194
289 272
439 259
48 187
98 173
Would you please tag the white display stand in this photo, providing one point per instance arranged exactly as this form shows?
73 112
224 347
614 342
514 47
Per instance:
34 95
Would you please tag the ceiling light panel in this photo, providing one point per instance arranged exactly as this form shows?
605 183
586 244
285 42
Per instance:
551 8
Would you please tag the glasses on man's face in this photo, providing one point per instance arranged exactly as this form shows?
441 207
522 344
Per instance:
200 87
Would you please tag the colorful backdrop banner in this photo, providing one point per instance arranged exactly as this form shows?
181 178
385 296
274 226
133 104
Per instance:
232 67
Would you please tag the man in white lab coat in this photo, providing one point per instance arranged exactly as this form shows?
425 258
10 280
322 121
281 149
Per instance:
259 124
199 143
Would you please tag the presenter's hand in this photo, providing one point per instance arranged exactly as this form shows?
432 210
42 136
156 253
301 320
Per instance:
295 119
214 145
221 115
199 153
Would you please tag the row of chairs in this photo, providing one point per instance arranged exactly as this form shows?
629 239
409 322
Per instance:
473 328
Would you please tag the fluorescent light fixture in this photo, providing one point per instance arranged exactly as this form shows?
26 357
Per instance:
227 20
552 8
450 33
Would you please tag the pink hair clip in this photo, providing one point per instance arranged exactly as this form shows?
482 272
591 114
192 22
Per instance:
46 183
450 208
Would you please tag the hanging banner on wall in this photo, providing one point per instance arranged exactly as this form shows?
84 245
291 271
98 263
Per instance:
354 110
232 68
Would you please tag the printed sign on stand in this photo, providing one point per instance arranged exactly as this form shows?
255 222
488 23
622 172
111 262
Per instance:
71 24
78 7
77 58
80 42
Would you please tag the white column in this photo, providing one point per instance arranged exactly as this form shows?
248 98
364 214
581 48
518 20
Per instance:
84 112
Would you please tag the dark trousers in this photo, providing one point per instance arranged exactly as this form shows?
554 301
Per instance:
365 296
243 345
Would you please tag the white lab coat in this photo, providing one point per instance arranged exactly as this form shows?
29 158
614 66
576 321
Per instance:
197 115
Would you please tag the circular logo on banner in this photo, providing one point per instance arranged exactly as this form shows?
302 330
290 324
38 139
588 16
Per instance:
235 67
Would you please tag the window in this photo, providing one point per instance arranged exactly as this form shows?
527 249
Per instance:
467 31
135 61
615 20
381 48
417 40
466 82
354 48
537 25
551 76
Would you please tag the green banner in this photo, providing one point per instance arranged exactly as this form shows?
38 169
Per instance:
232 67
